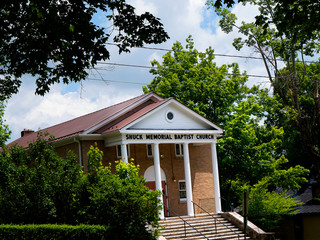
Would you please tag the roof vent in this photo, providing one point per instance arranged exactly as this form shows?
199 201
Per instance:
26 132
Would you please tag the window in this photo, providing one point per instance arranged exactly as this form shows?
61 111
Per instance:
179 150
119 154
149 150
182 190
169 116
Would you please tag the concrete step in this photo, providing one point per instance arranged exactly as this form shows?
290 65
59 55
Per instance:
174 228
211 231
209 222
202 228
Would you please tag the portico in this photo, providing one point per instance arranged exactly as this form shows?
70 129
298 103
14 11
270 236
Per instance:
172 123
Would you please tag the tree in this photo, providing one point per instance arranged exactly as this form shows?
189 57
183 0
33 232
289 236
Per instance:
38 187
195 80
298 16
250 152
266 208
56 41
120 200
276 39
4 129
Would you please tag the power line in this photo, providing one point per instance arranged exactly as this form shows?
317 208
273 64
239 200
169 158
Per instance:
195 71
177 69
115 81
200 53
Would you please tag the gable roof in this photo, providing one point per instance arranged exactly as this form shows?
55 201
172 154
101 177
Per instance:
90 122
106 120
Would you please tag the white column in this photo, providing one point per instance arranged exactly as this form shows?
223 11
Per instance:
187 174
124 153
157 174
216 183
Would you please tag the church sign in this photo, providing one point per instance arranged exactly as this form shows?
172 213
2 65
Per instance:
168 137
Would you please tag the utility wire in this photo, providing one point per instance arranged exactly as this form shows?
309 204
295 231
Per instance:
177 69
200 53
195 71
115 81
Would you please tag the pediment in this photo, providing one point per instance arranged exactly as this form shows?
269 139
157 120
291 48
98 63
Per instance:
172 116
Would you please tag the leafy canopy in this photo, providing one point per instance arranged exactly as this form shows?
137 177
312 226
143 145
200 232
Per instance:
285 37
298 17
195 80
4 129
250 152
39 187
57 41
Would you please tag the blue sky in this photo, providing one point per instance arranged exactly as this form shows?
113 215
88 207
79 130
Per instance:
180 18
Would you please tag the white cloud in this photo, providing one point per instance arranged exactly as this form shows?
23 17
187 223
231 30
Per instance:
142 6
26 110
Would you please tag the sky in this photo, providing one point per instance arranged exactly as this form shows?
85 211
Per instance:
180 18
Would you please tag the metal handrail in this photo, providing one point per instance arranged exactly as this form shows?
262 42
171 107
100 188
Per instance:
216 219
185 222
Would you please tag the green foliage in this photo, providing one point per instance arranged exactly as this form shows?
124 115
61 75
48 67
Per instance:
4 130
197 81
282 31
55 232
266 208
250 152
57 41
94 158
120 200
298 19
36 185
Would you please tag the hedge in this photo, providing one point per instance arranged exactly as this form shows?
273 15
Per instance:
55 232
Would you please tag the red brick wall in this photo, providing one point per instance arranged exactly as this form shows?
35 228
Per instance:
173 166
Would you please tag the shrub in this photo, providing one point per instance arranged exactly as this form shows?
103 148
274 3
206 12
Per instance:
120 200
39 187
36 185
55 232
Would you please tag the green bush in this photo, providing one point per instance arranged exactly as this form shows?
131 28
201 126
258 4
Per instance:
120 200
36 185
39 187
55 232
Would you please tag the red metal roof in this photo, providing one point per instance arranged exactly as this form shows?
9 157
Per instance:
125 111
133 117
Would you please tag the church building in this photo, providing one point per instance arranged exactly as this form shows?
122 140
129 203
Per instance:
174 146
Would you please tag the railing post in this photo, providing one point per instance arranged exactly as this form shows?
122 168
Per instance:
194 210
215 224
185 230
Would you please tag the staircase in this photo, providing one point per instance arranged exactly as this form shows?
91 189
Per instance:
176 228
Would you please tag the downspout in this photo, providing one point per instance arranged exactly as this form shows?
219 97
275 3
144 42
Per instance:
76 139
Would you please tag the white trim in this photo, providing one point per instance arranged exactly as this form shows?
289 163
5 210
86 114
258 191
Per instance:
216 183
173 101
122 111
166 116
187 174
150 177
171 131
180 149
147 146
157 173
185 190
159 136
124 156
